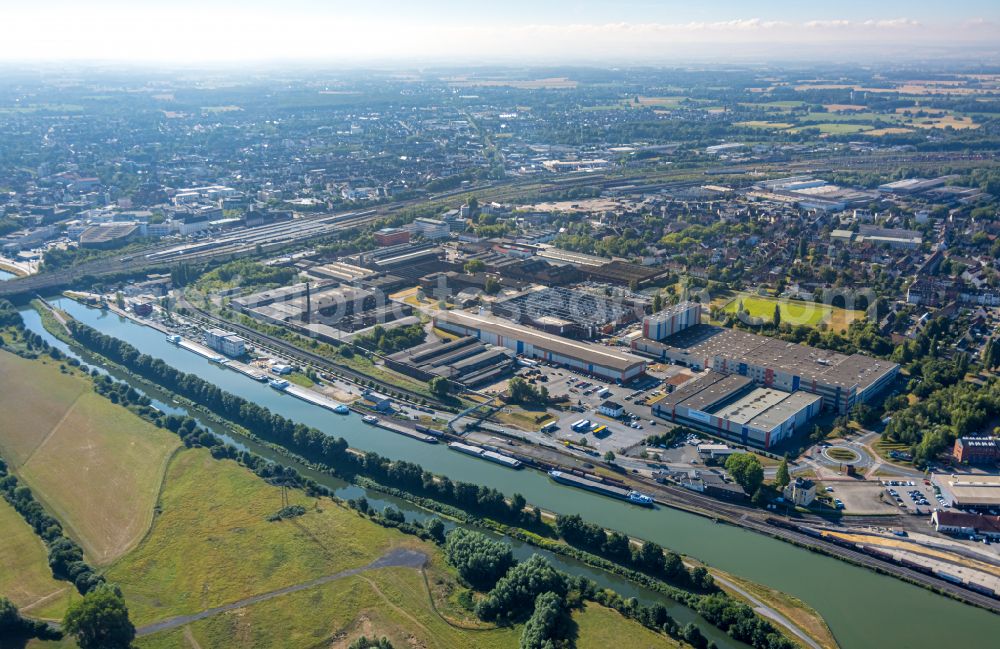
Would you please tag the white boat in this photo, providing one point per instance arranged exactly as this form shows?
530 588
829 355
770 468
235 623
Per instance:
174 338
278 384
637 498
369 419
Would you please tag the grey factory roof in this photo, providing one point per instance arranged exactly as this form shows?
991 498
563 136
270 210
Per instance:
760 408
689 389
809 363
718 391
782 410
565 305
591 353
756 402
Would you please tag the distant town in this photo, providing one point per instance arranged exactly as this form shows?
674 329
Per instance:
764 298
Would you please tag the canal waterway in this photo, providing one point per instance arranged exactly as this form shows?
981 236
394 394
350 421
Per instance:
379 501
864 609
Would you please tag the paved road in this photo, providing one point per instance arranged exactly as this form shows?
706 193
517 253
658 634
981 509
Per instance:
769 612
398 558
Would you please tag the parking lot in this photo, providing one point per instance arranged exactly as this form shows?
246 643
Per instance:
913 495
586 394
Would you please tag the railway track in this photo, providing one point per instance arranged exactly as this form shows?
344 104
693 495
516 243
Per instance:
756 520
293 352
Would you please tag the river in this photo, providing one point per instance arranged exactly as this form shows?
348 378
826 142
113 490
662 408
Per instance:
379 501
5 275
863 608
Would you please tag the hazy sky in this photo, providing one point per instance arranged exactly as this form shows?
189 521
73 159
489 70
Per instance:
461 31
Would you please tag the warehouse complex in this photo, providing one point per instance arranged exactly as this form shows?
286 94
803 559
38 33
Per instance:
841 380
733 407
972 491
466 360
590 358
568 312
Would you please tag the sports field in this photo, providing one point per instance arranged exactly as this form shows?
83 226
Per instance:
25 577
82 439
794 312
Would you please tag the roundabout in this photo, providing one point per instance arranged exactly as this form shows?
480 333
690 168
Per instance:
842 455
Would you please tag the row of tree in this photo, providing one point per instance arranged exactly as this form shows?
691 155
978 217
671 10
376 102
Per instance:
409 477
648 557
17 630
65 556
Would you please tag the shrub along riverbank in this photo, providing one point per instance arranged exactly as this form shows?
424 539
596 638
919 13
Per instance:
333 455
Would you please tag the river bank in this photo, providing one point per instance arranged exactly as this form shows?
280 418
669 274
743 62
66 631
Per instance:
377 500
859 606
802 533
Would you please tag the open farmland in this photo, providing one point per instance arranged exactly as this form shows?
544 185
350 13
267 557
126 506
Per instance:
25 577
120 457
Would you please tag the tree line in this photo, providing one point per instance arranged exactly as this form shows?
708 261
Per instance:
333 453
65 556
648 557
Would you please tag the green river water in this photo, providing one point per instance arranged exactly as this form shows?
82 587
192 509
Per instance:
864 609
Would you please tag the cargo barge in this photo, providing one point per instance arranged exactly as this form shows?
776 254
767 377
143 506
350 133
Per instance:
402 430
492 456
630 495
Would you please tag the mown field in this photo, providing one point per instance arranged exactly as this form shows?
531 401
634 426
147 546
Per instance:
77 438
25 577
211 544
794 312
34 397
599 627
391 602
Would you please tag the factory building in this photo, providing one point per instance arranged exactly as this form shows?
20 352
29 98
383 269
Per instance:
841 380
671 320
225 342
732 407
392 236
971 491
588 358
568 312
977 450
466 360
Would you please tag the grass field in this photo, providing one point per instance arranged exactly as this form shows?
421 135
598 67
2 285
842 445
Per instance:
25 577
795 610
211 544
794 312
81 438
27 409
600 627
393 603
833 128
